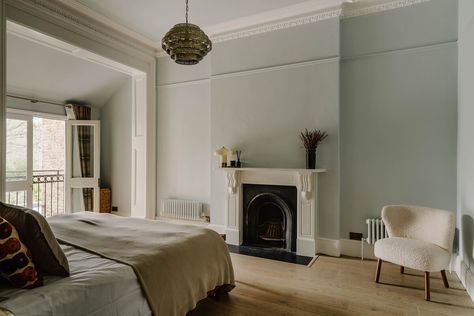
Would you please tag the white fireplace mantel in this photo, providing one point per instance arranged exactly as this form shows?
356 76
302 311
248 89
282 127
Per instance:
305 181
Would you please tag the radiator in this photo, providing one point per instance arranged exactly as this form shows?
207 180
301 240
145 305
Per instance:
375 230
181 209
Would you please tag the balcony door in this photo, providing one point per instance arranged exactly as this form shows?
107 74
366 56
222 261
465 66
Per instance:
19 160
82 165
35 159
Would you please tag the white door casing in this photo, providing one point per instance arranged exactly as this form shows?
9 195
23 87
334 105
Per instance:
139 142
98 43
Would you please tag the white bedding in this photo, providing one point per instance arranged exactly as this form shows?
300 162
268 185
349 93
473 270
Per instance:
96 287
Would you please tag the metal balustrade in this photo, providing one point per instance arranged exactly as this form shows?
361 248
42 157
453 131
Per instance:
47 191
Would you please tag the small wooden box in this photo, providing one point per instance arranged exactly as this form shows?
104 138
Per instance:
105 200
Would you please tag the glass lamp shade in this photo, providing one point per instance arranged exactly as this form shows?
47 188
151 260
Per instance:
186 44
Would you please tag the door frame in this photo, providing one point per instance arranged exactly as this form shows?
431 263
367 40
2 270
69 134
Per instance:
98 43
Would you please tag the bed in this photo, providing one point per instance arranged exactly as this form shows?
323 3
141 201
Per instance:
126 266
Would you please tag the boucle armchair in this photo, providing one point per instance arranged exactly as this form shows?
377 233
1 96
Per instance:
420 238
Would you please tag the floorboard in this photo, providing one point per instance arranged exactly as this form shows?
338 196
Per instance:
333 286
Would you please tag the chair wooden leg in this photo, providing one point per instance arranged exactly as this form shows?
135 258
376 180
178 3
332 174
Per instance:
402 269
377 273
445 280
427 286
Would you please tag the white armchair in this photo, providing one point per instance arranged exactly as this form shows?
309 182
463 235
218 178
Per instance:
420 238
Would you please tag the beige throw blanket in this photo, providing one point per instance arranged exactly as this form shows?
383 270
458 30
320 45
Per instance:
176 265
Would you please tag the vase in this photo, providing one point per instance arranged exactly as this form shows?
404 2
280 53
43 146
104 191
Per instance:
310 158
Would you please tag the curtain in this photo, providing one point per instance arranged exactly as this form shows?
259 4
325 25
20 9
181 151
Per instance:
84 134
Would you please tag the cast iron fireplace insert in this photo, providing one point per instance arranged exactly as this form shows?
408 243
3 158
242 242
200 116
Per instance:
269 216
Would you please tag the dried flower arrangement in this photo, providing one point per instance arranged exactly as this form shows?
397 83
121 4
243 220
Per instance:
312 138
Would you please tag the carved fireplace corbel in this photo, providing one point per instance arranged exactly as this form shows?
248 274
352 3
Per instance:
232 181
306 187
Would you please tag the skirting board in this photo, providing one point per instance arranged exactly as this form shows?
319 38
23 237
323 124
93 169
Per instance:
465 274
218 228
345 247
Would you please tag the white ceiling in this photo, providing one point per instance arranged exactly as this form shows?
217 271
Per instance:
153 18
37 71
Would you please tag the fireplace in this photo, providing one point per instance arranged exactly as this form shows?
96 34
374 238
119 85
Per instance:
269 216
286 208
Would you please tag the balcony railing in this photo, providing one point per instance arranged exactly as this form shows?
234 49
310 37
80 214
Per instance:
47 191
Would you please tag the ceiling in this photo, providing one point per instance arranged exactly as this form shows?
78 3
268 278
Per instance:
153 18
38 71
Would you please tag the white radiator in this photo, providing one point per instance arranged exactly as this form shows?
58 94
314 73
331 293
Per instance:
375 230
181 209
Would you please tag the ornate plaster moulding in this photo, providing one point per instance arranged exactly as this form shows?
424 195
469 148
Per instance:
305 13
297 15
97 26
374 6
260 28
311 11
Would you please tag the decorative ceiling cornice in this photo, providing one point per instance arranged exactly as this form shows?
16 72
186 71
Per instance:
80 21
284 24
380 7
345 10
304 13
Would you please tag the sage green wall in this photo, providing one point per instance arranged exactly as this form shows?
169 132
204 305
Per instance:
398 111
465 214
286 46
184 148
392 98
183 127
260 112
170 72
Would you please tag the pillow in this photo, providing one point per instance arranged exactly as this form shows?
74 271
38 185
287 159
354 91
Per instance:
38 237
16 263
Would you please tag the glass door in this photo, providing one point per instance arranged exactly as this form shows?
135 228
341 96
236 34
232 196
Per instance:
19 160
82 165
35 165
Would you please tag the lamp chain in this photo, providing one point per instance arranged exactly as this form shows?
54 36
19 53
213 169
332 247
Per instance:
187 10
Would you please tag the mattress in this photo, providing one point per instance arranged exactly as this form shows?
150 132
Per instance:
96 287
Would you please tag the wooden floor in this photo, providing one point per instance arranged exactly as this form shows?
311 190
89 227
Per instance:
333 286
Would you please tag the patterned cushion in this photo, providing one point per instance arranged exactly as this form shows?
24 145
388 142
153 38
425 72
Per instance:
16 263
38 237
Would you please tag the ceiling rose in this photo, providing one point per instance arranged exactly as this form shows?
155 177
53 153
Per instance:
186 43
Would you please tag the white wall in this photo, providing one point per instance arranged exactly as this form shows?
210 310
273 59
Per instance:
40 71
465 209
116 146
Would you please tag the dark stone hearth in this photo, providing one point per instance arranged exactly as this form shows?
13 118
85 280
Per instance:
270 253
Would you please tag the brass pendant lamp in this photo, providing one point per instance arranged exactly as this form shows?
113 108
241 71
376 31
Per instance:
186 43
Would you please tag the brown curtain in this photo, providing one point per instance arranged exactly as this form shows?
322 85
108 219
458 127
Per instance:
82 112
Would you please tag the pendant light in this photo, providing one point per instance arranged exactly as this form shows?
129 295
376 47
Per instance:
186 43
